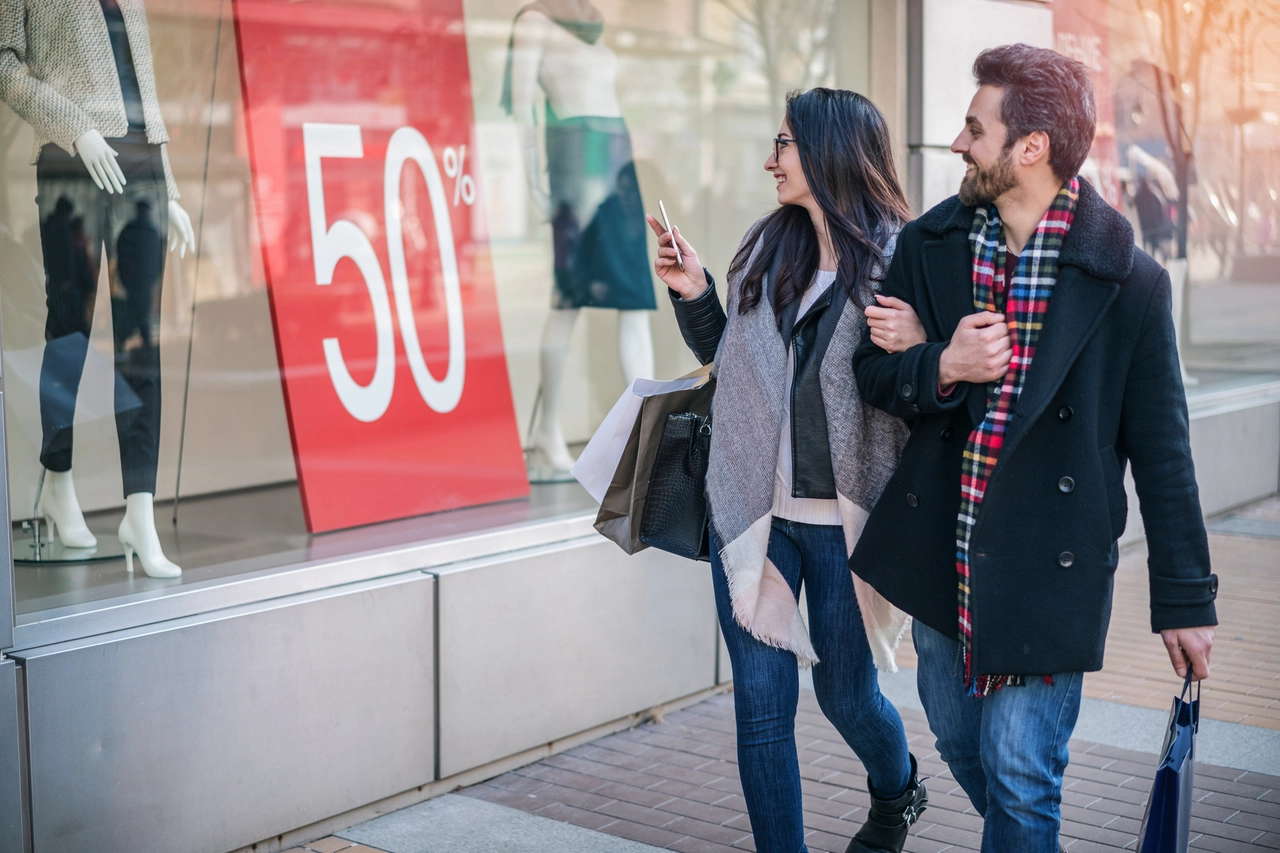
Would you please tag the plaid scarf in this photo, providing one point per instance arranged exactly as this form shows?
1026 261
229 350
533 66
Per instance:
1024 302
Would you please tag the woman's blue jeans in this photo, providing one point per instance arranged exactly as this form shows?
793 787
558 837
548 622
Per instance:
766 686
1007 750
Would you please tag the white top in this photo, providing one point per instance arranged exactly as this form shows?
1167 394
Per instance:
578 78
803 510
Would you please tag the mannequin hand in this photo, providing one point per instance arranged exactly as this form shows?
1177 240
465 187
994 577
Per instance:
689 282
100 159
180 233
894 325
542 202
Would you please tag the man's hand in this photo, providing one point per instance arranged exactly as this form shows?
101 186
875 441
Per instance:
979 351
1192 645
894 325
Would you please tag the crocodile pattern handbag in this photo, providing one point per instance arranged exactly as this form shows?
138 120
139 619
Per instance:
675 510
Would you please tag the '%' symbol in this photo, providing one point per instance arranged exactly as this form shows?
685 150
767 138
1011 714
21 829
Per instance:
464 188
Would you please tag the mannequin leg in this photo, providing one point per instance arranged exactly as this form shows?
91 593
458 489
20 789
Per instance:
635 345
136 241
138 535
72 217
61 511
548 438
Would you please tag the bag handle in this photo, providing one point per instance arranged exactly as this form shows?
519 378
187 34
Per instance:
1186 685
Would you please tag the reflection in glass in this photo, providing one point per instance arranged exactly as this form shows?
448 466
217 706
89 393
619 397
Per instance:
593 203
81 75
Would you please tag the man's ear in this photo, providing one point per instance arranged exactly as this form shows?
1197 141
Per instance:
1033 148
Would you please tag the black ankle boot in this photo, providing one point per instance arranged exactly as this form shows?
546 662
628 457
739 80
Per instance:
886 828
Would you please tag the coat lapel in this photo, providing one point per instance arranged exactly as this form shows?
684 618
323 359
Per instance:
1078 305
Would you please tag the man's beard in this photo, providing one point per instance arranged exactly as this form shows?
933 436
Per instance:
986 185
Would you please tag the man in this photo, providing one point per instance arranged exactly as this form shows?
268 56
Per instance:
1049 363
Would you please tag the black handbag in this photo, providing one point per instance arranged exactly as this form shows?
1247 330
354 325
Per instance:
675 509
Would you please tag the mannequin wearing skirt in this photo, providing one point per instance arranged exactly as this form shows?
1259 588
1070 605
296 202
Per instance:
593 203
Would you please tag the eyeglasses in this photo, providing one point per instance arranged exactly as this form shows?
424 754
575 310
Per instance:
780 142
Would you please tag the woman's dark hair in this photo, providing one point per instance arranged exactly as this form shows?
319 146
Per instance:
1045 91
843 142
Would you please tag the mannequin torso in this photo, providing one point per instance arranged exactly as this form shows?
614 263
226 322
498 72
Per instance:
578 78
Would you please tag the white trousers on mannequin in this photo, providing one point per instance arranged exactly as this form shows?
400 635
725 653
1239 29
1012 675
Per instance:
635 357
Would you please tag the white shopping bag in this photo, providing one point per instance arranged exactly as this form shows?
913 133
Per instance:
599 459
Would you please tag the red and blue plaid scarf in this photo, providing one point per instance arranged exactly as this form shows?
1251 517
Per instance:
1024 302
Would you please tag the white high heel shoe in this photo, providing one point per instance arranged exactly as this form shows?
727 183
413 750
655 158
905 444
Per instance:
138 535
61 511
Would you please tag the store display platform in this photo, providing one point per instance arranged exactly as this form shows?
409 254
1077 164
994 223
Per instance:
246 545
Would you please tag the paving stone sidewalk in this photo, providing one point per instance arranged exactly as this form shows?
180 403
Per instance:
673 784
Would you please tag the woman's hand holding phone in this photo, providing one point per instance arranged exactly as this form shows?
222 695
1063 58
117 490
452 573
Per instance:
690 282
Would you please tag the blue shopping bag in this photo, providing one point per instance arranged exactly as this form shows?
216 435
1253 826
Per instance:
1166 827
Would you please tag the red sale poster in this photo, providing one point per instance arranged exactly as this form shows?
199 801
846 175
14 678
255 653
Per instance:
386 320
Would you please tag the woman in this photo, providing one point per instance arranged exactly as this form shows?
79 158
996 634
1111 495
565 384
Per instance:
797 461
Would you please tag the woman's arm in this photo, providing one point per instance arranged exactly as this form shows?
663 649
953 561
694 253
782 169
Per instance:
701 320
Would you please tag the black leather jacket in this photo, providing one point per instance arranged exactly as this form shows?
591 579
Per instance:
702 323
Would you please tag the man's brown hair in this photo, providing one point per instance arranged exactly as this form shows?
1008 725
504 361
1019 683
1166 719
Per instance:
1043 91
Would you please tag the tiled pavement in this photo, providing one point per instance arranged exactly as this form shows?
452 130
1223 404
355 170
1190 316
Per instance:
1245 684
674 783
333 844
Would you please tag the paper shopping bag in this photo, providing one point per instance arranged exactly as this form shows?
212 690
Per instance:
623 504
1166 827
599 459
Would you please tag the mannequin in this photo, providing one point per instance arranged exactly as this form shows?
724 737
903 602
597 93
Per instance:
80 72
594 205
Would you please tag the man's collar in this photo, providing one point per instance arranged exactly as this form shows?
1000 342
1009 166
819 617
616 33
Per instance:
1100 242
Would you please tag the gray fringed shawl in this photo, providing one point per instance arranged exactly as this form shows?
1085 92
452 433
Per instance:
750 367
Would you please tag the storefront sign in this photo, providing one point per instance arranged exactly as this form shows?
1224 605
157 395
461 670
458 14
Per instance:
359 127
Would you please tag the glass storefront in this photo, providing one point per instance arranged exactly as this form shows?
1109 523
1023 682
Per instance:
378 260
316 267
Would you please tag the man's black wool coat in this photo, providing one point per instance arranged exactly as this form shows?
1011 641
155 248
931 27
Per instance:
1104 388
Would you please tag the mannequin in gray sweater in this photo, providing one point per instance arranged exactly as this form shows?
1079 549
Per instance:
81 74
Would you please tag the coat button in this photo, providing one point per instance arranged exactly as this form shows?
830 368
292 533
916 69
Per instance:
1064 414
1066 559
1213 586
912 500
1066 484
946 434
914 407
906 390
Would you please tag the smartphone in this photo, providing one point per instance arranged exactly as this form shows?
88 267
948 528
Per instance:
666 223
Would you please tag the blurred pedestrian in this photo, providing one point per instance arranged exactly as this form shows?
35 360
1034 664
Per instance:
1153 217
1050 363
797 460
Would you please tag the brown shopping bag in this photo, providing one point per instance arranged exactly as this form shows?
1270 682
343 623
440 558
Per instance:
623 504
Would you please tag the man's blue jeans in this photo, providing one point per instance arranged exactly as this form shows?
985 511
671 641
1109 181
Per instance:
1007 750
766 686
